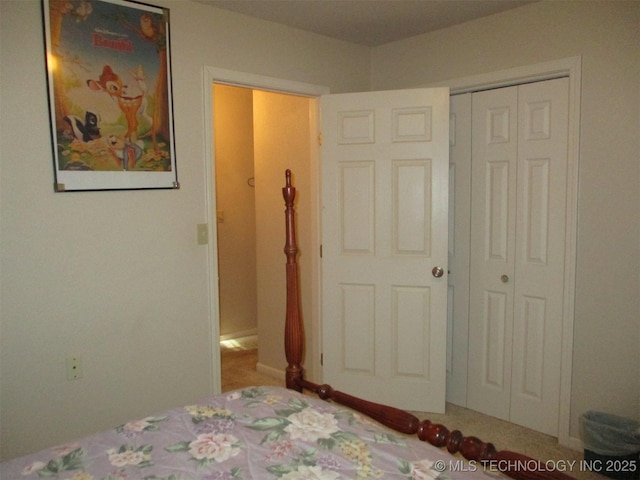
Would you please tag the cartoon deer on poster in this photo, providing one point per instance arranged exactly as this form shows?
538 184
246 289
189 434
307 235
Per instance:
111 83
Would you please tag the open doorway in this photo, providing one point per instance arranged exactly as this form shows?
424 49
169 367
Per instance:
235 218
257 135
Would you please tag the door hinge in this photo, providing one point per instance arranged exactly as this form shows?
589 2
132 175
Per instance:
320 138
322 359
320 250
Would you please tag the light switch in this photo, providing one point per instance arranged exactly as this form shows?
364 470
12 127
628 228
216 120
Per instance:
203 234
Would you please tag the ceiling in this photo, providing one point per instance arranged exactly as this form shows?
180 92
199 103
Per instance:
367 22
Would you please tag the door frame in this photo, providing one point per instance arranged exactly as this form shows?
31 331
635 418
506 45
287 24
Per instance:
210 76
567 67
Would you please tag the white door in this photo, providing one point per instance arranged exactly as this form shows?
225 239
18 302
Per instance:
384 222
519 170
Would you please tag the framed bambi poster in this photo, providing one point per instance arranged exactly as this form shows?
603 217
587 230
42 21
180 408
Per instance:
110 99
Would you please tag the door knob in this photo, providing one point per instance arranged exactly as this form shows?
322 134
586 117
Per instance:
437 272
504 278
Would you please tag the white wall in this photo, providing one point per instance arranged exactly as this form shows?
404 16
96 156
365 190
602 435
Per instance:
118 277
606 359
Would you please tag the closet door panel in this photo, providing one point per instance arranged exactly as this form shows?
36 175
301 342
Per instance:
540 240
492 260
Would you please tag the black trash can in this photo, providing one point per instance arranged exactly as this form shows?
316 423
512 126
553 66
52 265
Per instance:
611 445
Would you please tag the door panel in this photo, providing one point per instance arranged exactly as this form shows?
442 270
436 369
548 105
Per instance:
540 253
384 219
357 200
494 147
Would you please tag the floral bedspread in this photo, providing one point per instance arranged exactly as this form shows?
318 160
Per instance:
254 433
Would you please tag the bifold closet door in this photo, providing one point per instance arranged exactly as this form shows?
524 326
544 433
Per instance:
492 262
519 166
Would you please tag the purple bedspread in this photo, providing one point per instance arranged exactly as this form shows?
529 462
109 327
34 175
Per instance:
254 433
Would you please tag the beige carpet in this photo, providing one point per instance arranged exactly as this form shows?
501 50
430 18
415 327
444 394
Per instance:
508 436
239 370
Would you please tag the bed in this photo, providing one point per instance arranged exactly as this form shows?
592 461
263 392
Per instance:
279 433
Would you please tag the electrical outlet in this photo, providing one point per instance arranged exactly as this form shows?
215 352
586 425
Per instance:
74 368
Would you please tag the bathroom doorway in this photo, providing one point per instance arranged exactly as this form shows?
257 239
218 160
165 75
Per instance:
257 135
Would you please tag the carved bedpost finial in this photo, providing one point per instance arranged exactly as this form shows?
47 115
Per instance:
288 192
290 246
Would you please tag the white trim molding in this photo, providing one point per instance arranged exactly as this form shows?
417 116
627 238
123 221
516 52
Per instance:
211 76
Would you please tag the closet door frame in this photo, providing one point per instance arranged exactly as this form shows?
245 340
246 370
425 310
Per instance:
570 68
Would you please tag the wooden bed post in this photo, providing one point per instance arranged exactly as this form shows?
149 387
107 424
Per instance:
293 338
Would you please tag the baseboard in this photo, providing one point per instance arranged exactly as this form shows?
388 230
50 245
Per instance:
270 371
240 334
574 443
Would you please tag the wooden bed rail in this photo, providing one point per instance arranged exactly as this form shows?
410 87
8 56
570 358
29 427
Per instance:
512 464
